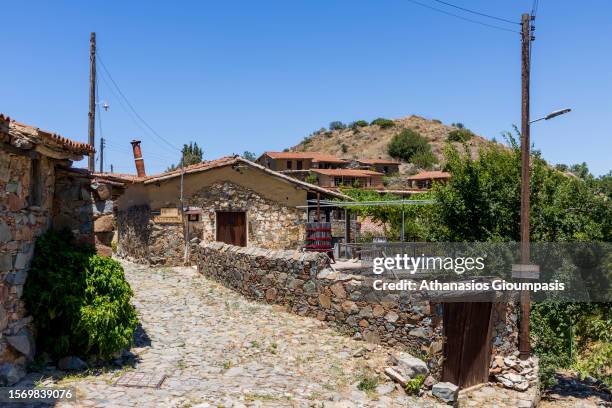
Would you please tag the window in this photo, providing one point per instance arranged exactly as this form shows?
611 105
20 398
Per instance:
289 164
193 217
35 183
337 181
299 165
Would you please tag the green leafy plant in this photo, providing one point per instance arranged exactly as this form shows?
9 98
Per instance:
312 179
80 301
383 123
344 148
414 385
367 383
459 135
359 123
336 125
409 144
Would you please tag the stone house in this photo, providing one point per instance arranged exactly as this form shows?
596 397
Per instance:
300 161
336 178
230 199
425 179
38 190
386 167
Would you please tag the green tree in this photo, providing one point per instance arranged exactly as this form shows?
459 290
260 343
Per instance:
409 145
383 123
249 155
336 125
190 154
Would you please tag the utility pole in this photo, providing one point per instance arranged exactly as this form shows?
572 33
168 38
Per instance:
92 98
101 154
526 38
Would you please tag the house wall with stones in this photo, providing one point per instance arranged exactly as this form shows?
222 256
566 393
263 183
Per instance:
308 287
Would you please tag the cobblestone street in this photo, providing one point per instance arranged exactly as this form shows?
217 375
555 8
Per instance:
218 349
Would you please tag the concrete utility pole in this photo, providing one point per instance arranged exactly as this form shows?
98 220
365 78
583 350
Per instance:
526 38
101 154
92 98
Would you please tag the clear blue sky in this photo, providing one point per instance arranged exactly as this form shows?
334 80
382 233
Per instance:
261 75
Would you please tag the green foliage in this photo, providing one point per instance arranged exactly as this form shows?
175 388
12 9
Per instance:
312 179
190 154
344 148
367 384
337 125
410 146
459 135
114 247
359 123
458 125
414 385
80 301
249 156
383 123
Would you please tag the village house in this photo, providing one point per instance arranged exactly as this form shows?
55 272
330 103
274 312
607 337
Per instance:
231 200
336 178
425 179
39 190
300 161
387 167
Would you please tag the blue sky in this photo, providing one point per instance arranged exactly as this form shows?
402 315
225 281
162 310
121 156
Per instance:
261 75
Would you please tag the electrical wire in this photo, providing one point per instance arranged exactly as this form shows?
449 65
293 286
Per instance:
477 12
463 18
132 107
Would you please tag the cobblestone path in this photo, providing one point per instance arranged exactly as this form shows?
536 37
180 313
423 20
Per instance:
219 349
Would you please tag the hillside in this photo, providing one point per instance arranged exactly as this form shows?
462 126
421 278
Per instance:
371 141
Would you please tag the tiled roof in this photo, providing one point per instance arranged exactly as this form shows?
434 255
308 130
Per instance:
377 161
347 172
314 156
48 137
425 175
231 160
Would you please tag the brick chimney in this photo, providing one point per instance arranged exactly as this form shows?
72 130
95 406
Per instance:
140 170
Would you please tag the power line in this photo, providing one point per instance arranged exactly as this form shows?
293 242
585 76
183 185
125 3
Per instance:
478 13
463 18
132 107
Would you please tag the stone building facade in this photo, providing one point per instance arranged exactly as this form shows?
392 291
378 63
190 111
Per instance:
269 203
34 181
307 286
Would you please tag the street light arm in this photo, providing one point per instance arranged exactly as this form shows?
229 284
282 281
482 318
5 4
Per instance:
552 115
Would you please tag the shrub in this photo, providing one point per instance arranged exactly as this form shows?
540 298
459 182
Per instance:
359 123
383 123
459 135
344 148
336 125
414 385
312 179
367 383
458 125
412 147
80 301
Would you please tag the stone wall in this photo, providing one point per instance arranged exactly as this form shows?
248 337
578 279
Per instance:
308 287
21 221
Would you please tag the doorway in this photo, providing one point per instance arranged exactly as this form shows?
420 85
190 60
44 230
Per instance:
467 349
232 227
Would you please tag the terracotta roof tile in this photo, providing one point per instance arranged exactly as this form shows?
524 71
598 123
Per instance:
424 175
377 161
347 172
54 138
314 156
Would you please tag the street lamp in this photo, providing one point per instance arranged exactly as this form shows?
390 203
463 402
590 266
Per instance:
526 270
552 115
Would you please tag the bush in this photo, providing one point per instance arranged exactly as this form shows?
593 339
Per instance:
412 147
459 135
359 123
458 125
312 179
414 385
344 148
79 301
383 123
336 125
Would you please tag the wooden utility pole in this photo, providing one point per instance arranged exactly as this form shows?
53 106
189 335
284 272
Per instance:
92 98
526 38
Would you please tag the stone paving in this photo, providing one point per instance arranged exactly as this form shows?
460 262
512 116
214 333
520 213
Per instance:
220 350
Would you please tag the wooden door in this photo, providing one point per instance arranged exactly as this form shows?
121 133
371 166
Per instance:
231 227
467 349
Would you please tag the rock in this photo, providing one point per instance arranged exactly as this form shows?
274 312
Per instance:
23 342
392 317
515 378
395 376
71 363
409 366
5 232
504 381
418 332
446 391
349 307
271 294
104 223
378 311
429 382
338 290
324 301
522 386
10 374
3 319
384 389
499 361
